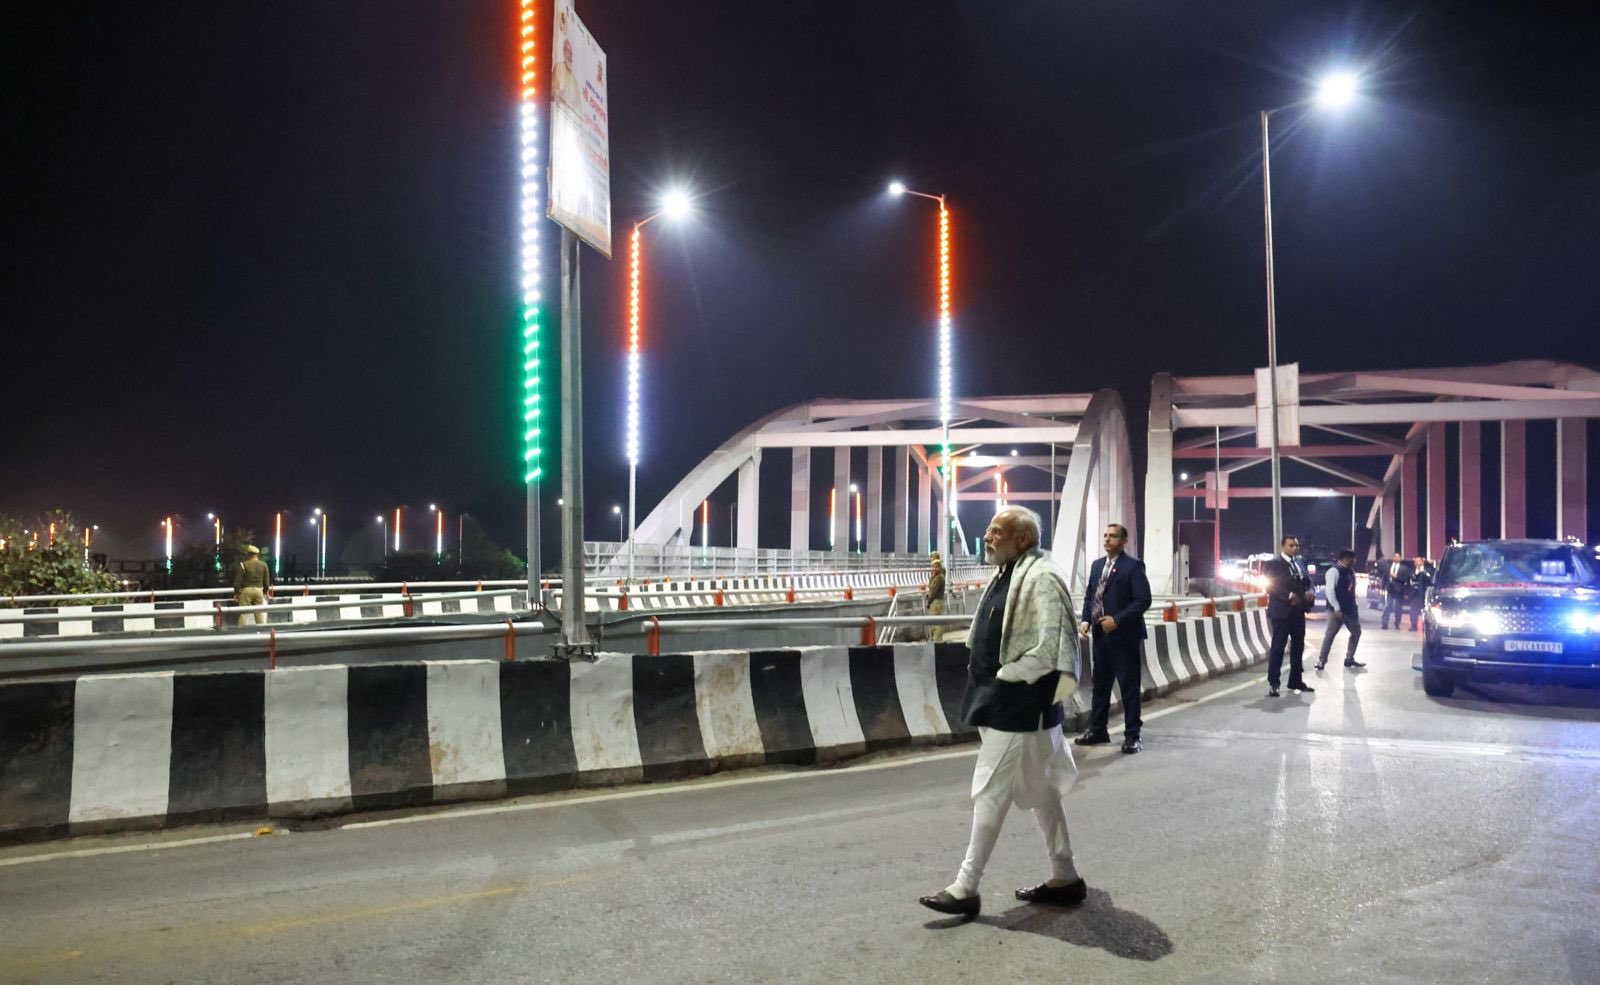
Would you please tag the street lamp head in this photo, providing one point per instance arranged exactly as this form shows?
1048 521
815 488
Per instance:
1183 477
377 519
1337 90
433 507
616 510
317 511
211 516
852 487
897 188
676 204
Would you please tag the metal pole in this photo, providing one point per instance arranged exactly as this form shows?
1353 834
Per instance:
633 528
1053 493
1272 333
1216 503
1352 523
534 535
574 632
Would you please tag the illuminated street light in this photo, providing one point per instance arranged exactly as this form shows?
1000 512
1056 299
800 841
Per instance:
531 170
857 494
1336 91
616 511
898 189
676 204
383 522
397 530
277 543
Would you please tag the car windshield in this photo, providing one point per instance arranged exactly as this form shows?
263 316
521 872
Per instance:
1498 564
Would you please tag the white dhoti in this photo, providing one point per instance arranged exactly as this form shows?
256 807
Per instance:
1032 770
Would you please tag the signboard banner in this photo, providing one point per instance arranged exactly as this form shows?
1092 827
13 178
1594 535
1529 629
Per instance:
580 127
1288 406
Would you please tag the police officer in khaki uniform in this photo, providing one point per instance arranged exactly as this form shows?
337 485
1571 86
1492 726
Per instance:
934 595
251 582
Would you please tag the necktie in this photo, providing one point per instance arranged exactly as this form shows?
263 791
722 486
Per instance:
1100 589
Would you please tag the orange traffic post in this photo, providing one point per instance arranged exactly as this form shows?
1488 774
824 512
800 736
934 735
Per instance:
1169 612
849 593
272 649
1238 604
869 632
511 641
1209 609
652 637
410 609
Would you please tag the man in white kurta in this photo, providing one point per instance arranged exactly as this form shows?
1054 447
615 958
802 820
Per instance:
1024 656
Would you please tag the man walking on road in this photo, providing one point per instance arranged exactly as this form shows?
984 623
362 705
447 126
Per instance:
250 583
1290 596
1342 611
1023 656
1113 626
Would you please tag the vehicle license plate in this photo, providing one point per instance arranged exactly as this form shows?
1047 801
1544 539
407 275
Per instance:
1533 646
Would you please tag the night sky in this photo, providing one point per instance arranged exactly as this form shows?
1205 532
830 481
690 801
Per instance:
262 256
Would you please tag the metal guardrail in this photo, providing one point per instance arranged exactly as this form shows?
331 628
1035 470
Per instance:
266 641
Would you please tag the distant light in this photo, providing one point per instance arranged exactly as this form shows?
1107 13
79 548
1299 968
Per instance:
211 516
1183 477
561 502
897 188
377 519
676 204
433 507
1337 90
1013 453
615 510
852 487
317 511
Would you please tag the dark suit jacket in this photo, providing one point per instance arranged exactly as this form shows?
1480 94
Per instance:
1127 597
1281 585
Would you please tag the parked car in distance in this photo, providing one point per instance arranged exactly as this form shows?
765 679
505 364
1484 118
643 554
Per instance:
1520 611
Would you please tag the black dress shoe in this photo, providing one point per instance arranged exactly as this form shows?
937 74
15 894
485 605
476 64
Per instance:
943 902
1131 745
1071 894
1354 663
1322 663
1302 686
1092 738
1272 692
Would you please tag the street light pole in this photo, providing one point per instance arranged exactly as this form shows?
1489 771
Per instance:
675 205
946 372
1272 328
1335 90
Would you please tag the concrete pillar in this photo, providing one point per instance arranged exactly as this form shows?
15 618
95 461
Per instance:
1471 480
1436 491
874 504
800 500
841 489
1386 525
1409 541
1160 540
749 502
924 509
902 496
1513 479
1572 479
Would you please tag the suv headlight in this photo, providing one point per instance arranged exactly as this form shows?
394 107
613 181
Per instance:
1583 621
1453 618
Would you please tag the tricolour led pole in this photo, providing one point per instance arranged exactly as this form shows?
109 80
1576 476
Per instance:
633 385
277 543
945 372
530 166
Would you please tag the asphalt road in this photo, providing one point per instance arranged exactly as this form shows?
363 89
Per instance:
1362 834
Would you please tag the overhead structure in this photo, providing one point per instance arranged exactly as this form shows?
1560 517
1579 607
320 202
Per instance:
1366 434
1079 442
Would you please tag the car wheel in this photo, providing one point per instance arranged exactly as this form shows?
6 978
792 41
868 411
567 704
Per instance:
1436 683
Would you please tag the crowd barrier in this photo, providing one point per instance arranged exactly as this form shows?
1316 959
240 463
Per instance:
109 752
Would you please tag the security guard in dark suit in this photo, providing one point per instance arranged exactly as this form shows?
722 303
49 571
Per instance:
1114 603
1290 596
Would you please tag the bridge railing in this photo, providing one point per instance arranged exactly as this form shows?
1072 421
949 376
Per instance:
657 560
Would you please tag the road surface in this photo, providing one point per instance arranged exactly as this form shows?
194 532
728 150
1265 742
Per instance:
1363 834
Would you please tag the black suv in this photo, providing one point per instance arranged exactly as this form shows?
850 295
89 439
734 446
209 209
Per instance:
1513 610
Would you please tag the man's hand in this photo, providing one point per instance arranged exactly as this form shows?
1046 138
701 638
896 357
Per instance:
1107 624
1311 599
1083 630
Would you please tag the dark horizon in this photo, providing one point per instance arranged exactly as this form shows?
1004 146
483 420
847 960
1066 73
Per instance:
266 259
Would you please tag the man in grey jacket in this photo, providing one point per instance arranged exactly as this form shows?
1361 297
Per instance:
1023 662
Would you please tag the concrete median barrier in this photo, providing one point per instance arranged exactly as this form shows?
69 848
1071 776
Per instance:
110 752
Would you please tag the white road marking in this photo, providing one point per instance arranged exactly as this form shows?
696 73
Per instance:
127 849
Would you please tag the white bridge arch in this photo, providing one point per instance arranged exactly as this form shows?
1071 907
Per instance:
1080 441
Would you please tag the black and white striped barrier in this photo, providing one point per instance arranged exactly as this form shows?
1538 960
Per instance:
120 751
